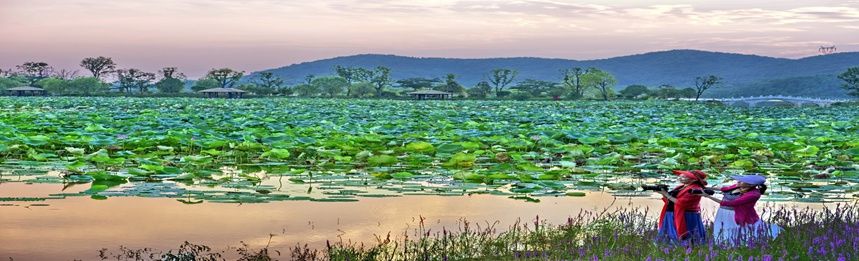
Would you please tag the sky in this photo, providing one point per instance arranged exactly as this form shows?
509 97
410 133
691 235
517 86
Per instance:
197 35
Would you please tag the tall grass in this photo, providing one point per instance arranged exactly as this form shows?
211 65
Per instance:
831 233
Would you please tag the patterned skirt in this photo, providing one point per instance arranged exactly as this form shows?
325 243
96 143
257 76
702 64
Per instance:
694 229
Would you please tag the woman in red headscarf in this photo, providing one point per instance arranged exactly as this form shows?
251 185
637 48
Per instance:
681 215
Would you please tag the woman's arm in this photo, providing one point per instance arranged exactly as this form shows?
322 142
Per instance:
667 196
711 197
746 198
728 188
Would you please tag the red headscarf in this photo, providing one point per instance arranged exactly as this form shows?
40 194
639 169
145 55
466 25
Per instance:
686 201
696 175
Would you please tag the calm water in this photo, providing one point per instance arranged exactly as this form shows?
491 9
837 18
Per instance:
76 227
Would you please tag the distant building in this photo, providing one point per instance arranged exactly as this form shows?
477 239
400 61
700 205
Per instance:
430 95
26 91
229 93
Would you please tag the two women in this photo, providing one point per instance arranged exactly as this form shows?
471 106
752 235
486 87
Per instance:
736 220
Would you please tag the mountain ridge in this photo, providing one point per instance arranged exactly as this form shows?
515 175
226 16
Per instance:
677 67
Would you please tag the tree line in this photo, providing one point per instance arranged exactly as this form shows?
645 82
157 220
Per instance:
353 82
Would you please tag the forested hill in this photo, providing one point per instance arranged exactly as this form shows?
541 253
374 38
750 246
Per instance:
743 74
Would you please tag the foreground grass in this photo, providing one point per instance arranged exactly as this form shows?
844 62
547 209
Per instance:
626 234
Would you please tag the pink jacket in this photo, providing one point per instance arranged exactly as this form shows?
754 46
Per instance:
744 206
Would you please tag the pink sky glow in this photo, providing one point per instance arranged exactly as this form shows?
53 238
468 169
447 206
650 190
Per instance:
197 35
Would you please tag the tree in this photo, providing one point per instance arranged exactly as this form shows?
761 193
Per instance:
601 80
417 83
557 91
35 71
634 91
66 74
573 81
98 66
353 75
451 85
501 78
170 85
225 77
380 79
171 81
332 86
480 90
134 79
362 89
703 83
203 84
533 87
88 86
10 82
667 91
687 92
6 73
55 85
78 86
851 80
267 83
170 73
306 90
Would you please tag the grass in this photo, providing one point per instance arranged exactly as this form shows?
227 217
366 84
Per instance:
831 233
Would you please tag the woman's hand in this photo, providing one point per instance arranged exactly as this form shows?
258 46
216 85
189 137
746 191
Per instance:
667 196
711 197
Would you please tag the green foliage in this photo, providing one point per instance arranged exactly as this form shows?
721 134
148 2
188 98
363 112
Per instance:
306 90
258 89
533 87
203 84
634 91
225 77
480 91
381 78
573 82
704 83
268 83
362 89
11 82
669 92
382 160
851 80
600 80
34 72
417 83
501 77
79 86
134 79
170 85
488 143
331 86
98 66
521 96
451 85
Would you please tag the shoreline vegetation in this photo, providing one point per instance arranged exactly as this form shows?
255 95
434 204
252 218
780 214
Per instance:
501 83
831 233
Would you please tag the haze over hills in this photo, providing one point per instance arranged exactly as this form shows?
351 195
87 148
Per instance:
743 74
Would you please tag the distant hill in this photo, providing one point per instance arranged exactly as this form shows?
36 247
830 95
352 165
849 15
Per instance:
743 74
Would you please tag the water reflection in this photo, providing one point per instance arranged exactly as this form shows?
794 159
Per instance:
76 227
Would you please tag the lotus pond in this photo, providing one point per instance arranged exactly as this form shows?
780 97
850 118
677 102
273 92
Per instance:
263 150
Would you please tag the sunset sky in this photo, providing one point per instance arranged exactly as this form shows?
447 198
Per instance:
197 35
